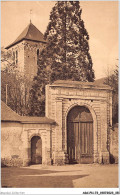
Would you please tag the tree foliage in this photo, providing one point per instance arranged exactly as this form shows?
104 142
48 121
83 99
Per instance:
7 60
66 55
15 92
14 85
112 80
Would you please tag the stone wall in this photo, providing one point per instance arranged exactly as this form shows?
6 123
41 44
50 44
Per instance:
114 144
16 143
27 56
20 49
30 57
11 144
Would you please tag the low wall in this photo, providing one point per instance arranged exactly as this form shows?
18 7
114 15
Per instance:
11 144
16 142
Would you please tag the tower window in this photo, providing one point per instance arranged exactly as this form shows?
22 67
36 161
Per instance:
13 57
16 57
37 52
37 56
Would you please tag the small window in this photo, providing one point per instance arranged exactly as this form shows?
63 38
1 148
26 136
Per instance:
37 52
16 57
13 57
37 55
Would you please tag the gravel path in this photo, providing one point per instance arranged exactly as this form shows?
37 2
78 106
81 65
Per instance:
67 176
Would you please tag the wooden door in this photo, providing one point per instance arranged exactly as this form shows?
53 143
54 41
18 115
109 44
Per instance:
80 135
36 150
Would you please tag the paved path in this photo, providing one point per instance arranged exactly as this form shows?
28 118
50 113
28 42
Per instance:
67 176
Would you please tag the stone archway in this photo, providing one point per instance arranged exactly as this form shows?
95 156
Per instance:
80 135
36 150
61 97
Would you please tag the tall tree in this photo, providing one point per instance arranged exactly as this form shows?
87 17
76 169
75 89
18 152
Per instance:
66 55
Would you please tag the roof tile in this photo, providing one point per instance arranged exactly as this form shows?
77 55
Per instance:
7 114
29 33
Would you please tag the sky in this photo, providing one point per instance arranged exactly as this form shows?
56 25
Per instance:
100 18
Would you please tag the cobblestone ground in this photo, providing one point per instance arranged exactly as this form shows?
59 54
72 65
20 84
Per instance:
67 176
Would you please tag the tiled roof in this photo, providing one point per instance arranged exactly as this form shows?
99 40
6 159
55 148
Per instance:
29 33
40 120
7 114
78 84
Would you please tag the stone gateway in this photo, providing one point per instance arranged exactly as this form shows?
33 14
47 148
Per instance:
76 128
83 115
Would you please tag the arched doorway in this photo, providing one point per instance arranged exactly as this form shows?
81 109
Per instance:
36 150
80 135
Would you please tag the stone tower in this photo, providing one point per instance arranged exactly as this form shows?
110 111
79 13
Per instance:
26 49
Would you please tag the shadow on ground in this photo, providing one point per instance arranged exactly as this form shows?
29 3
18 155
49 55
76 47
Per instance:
13 177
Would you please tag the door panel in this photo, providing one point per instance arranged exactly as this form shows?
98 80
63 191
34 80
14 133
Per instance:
71 142
80 136
36 150
86 143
